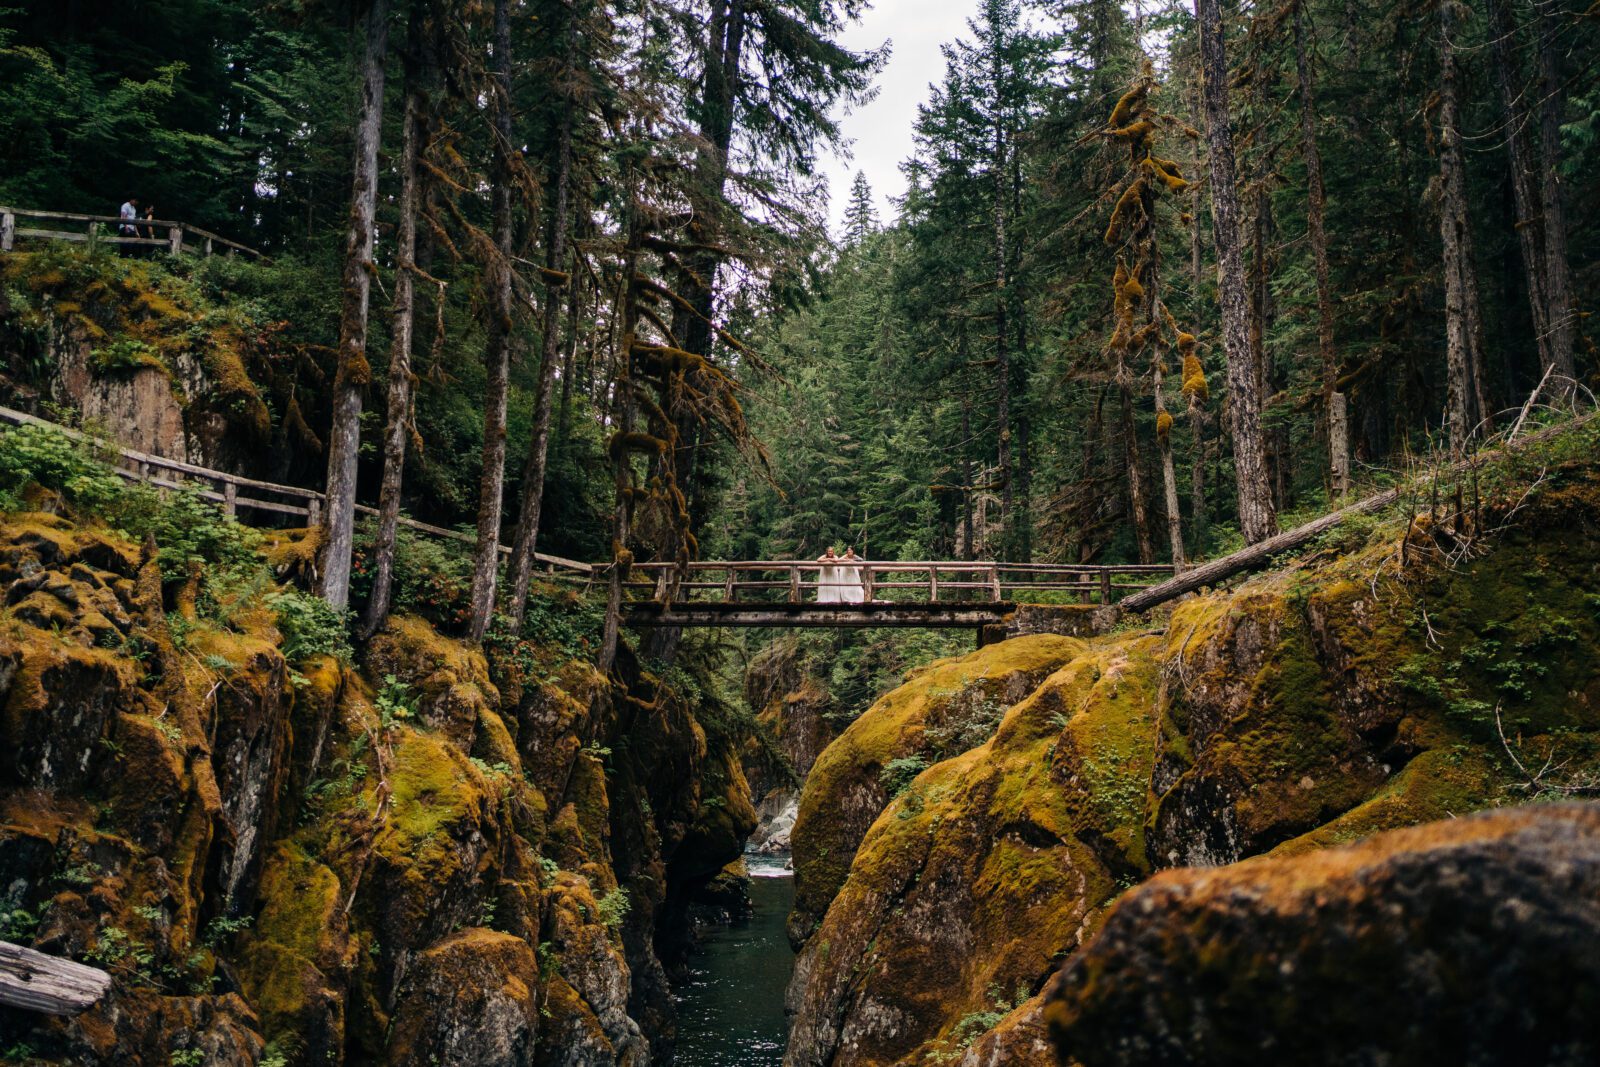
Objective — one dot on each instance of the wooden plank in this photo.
(8, 231)
(34, 981)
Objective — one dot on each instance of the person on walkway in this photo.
(149, 232)
(853, 590)
(828, 577)
(128, 227)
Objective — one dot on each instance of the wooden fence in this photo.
(175, 237)
(236, 493)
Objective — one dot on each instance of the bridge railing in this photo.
(930, 582)
(18, 224)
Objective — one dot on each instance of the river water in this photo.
(730, 1008)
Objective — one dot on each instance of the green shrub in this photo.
(310, 626)
(39, 455)
(614, 907)
(898, 774)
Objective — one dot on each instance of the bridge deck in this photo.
(967, 616)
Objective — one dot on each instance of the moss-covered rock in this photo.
(985, 872)
(1468, 941)
(944, 709)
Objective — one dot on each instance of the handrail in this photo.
(174, 229)
(229, 497)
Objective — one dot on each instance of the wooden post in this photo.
(1084, 596)
(869, 583)
(994, 583)
(208, 246)
(314, 513)
(34, 981)
(1105, 587)
(8, 231)
(794, 583)
(727, 586)
(175, 239)
(933, 584)
(230, 499)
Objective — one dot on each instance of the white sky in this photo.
(881, 131)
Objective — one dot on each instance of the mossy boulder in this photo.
(985, 872)
(1469, 941)
(944, 709)
(469, 1001)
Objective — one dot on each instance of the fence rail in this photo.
(235, 492)
(176, 237)
(887, 582)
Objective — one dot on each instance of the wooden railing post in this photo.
(994, 583)
(794, 583)
(230, 499)
(1105, 587)
(314, 513)
(175, 239)
(8, 231)
(869, 584)
(933, 584)
(727, 586)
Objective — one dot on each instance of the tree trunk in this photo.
(1334, 409)
(497, 353)
(1002, 354)
(527, 535)
(1525, 191)
(1169, 477)
(1563, 313)
(1461, 390)
(1130, 454)
(1257, 518)
(397, 419)
(354, 373)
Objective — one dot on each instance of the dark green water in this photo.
(730, 1010)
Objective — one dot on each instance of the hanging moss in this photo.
(1163, 425)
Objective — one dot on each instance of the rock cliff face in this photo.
(1470, 941)
(424, 858)
(1392, 679)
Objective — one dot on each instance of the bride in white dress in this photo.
(853, 590)
(828, 591)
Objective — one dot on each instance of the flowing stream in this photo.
(730, 1010)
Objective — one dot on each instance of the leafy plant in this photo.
(614, 907)
(310, 626)
(897, 774)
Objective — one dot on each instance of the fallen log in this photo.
(34, 981)
(1260, 554)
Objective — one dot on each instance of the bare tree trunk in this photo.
(1524, 191)
(1334, 409)
(1002, 354)
(967, 550)
(1130, 453)
(1452, 224)
(354, 373)
(497, 354)
(398, 416)
(1563, 313)
(621, 458)
(527, 536)
(1169, 477)
(1257, 517)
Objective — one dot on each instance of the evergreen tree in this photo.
(860, 216)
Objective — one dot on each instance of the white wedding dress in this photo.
(853, 591)
(828, 585)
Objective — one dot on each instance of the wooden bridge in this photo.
(925, 595)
